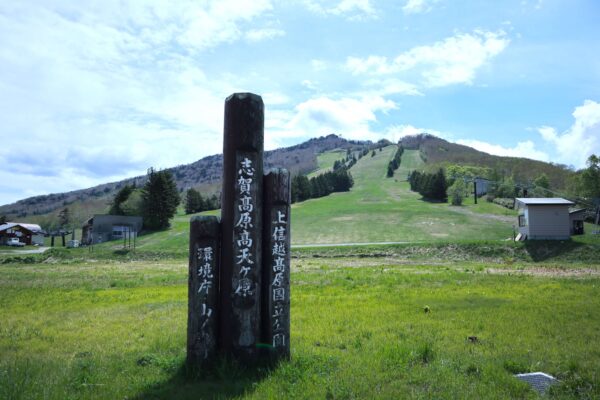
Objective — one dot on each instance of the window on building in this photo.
(118, 231)
(522, 221)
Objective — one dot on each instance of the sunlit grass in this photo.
(106, 330)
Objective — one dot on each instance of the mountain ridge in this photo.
(437, 152)
(203, 174)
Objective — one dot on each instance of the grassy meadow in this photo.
(106, 329)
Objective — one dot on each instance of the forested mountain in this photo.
(204, 175)
(437, 152)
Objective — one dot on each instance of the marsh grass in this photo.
(107, 329)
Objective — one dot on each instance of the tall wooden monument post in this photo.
(249, 319)
(241, 219)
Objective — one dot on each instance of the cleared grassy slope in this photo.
(377, 209)
(380, 209)
(325, 161)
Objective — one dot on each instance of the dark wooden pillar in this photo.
(475, 191)
(241, 218)
(276, 258)
(203, 290)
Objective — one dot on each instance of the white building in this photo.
(544, 218)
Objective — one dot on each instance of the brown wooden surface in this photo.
(203, 284)
(240, 288)
(276, 257)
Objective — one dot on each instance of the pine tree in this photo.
(116, 207)
(160, 199)
(64, 217)
(439, 186)
(194, 202)
(302, 187)
(390, 170)
(589, 178)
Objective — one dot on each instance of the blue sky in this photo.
(92, 92)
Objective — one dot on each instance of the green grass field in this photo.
(112, 330)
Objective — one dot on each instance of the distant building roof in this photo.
(544, 201)
(30, 227)
(577, 211)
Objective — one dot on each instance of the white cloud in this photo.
(418, 6)
(256, 35)
(100, 91)
(351, 9)
(576, 144)
(384, 87)
(453, 60)
(524, 149)
(309, 84)
(318, 116)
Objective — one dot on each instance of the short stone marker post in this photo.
(241, 218)
(276, 272)
(203, 290)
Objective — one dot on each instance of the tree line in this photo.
(303, 188)
(194, 202)
(432, 186)
(395, 163)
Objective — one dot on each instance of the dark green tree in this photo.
(390, 170)
(193, 201)
(64, 217)
(541, 185)
(439, 186)
(588, 180)
(457, 192)
(301, 188)
(160, 199)
(3, 219)
(211, 203)
(116, 207)
(430, 186)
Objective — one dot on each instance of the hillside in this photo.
(377, 209)
(204, 174)
(426, 152)
(438, 152)
(380, 209)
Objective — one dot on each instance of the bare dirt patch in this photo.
(466, 211)
(344, 218)
(553, 272)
